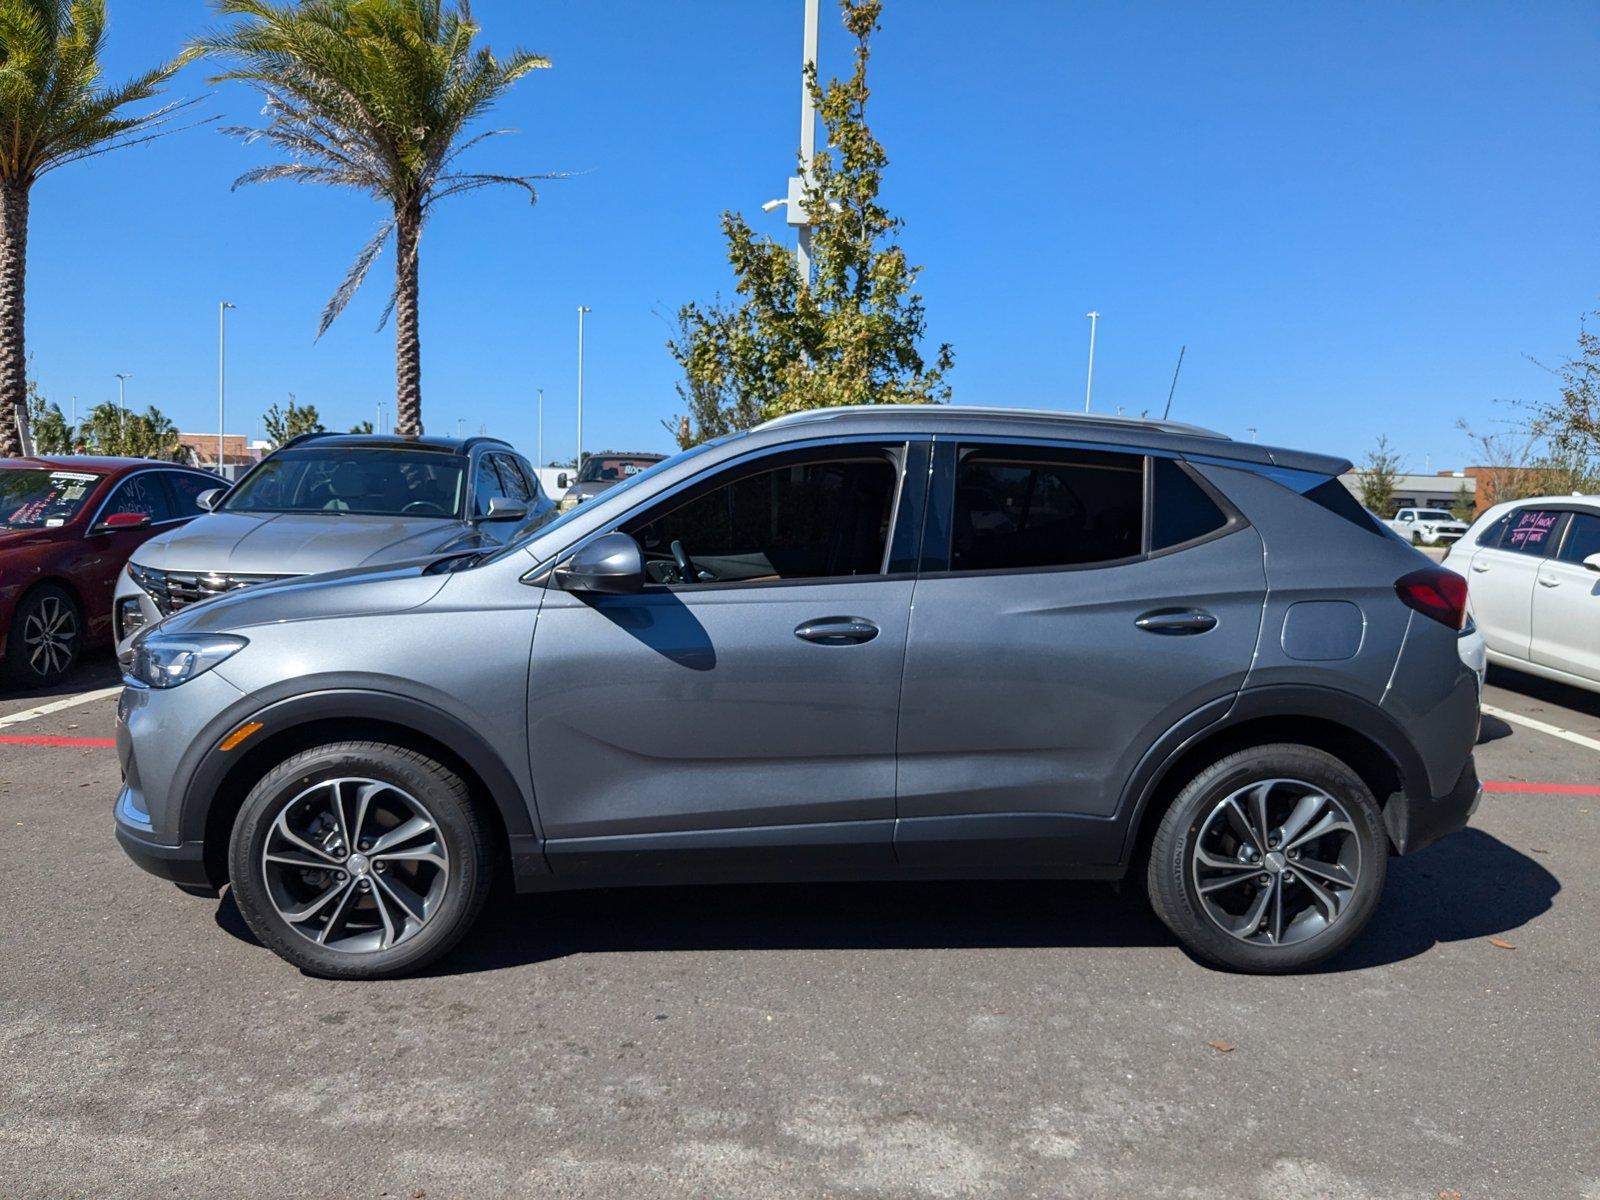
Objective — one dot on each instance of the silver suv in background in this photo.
(1137, 650)
(325, 502)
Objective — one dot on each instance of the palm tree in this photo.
(375, 95)
(53, 111)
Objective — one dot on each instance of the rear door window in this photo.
(1030, 508)
(186, 490)
(1532, 531)
(1583, 538)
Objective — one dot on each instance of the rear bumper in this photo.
(1413, 824)
(183, 864)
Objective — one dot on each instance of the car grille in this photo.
(172, 590)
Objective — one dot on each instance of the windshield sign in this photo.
(337, 480)
(612, 468)
(35, 499)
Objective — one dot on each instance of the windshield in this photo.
(1433, 514)
(344, 479)
(40, 499)
(611, 468)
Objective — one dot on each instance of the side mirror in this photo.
(1592, 562)
(208, 500)
(123, 520)
(611, 565)
(561, 480)
(504, 508)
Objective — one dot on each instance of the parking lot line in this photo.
(45, 740)
(44, 710)
(1565, 735)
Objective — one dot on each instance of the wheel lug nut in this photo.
(378, 866)
(366, 844)
(1265, 878)
(366, 885)
(339, 876)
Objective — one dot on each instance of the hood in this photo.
(298, 543)
(362, 591)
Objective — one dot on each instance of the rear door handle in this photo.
(1544, 582)
(1480, 568)
(836, 631)
(1176, 621)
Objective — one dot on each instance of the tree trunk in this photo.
(13, 304)
(407, 333)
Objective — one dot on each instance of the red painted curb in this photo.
(87, 743)
(1547, 789)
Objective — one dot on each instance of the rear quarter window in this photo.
(1180, 509)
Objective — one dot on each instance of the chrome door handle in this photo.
(1176, 621)
(836, 631)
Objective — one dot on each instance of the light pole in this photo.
(539, 453)
(795, 201)
(1088, 391)
(379, 429)
(122, 400)
(582, 312)
(222, 379)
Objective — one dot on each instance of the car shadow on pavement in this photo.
(94, 670)
(1548, 691)
(1470, 885)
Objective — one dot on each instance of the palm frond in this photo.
(354, 278)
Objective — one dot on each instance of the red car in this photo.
(67, 525)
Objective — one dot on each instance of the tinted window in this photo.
(511, 478)
(1030, 510)
(808, 520)
(186, 491)
(142, 493)
(613, 468)
(1583, 538)
(1180, 510)
(1531, 531)
(335, 479)
(486, 485)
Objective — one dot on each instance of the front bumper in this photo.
(1414, 824)
(183, 864)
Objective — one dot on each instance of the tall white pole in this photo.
(808, 143)
(222, 380)
(582, 312)
(540, 451)
(122, 401)
(1088, 391)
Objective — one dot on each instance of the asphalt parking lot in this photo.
(916, 1041)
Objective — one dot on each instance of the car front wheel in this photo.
(359, 860)
(1270, 860)
(45, 638)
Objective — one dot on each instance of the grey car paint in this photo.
(688, 733)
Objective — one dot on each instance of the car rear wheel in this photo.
(359, 860)
(1270, 860)
(45, 639)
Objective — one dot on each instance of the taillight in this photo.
(1437, 593)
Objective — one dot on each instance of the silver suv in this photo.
(882, 643)
(327, 501)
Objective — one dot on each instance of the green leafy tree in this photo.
(851, 334)
(361, 427)
(54, 110)
(375, 95)
(52, 432)
(1465, 506)
(1378, 476)
(284, 425)
(1568, 424)
(150, 434)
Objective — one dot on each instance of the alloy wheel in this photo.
(1276, 862)
(49, 635)
(355, 865)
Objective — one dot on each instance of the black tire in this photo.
(45, 639)
(1172, 876)
(415, 777)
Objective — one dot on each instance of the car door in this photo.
(1074, 605)
(144, 493)
(1566, 602)
(1500, 580)
(738, 716)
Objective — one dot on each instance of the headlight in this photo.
(166, 660)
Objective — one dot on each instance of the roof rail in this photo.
(958, 412)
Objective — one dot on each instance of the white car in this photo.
(1430, 526)
(1533, 586)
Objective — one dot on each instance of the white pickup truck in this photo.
(1430, 526)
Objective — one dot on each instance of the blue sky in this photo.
(1361, 218)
